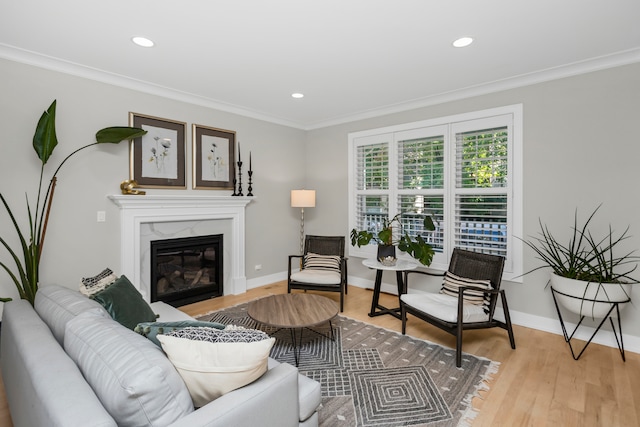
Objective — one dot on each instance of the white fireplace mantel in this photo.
(140, 209)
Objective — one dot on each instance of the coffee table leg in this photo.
(296, 348)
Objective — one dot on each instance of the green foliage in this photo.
(417, 248)
(45, 140)
(26, 274)
(585, 257)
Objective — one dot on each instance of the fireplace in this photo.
(187, 269)
(155, 217)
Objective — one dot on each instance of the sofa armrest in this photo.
(42, 384)
(272, 400)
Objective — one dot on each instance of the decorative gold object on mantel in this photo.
(129, 187)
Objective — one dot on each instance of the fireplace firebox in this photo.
(187, 269)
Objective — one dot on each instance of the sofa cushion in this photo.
(131, 376)
(124, 303)
(167, 313)
(56, 305)
(152, 329)
(214, 362)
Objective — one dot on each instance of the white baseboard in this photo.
(266, 280)
(546, 324)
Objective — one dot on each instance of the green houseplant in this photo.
(586, 269)
(26, 273)
(418, 248)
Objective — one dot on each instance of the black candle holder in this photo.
(250, 172)
(234, 186)
(240, 179)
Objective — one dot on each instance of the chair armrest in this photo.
(291, 257)
(462, 289)
(425, 273)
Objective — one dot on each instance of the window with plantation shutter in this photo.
(464, 171)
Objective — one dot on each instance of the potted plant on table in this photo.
(26, 273)
(418, 248)
(588, 274)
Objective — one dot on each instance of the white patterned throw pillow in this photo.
(92, 285)
(213, 362)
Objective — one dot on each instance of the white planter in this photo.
(588, 298)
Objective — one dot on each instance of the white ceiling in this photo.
(351, 58)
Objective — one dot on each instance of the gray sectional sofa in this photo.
(45, 387)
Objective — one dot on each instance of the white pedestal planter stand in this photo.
(598, 301)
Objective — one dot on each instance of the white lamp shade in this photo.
(303, 198)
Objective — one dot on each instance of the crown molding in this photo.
(47, 62)
(67, 67)
(594, 64)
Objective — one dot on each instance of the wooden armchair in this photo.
(467, 300)
(323, 267)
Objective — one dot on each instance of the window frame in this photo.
(511, 115)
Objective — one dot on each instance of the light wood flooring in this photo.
(538, 384)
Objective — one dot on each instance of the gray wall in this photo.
(76, 245)
(580, 149)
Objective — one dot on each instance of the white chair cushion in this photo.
(445, 307)
(321, 277)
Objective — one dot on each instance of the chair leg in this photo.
(346, 278)
(507, 319)
(459, 346)
(403, 315)
(341, 301)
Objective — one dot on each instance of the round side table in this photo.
(400, 267)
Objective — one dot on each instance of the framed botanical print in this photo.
(213, 158)
(157, 159)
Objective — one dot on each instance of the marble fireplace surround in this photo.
(139, 214)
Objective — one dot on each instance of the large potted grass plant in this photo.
(588, 273)
(27, 257)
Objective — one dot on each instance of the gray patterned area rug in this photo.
(376, 377)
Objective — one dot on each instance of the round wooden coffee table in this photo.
(293, 312)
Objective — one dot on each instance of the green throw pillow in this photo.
(151, 329)
(124, 303)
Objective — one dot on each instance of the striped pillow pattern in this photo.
(452, 283)
(92, 285)
(322, 262)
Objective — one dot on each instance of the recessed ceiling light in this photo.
(463, 42)
(297, 95)
(142, 41)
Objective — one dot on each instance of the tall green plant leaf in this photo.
(45, 140)
(116, 134)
